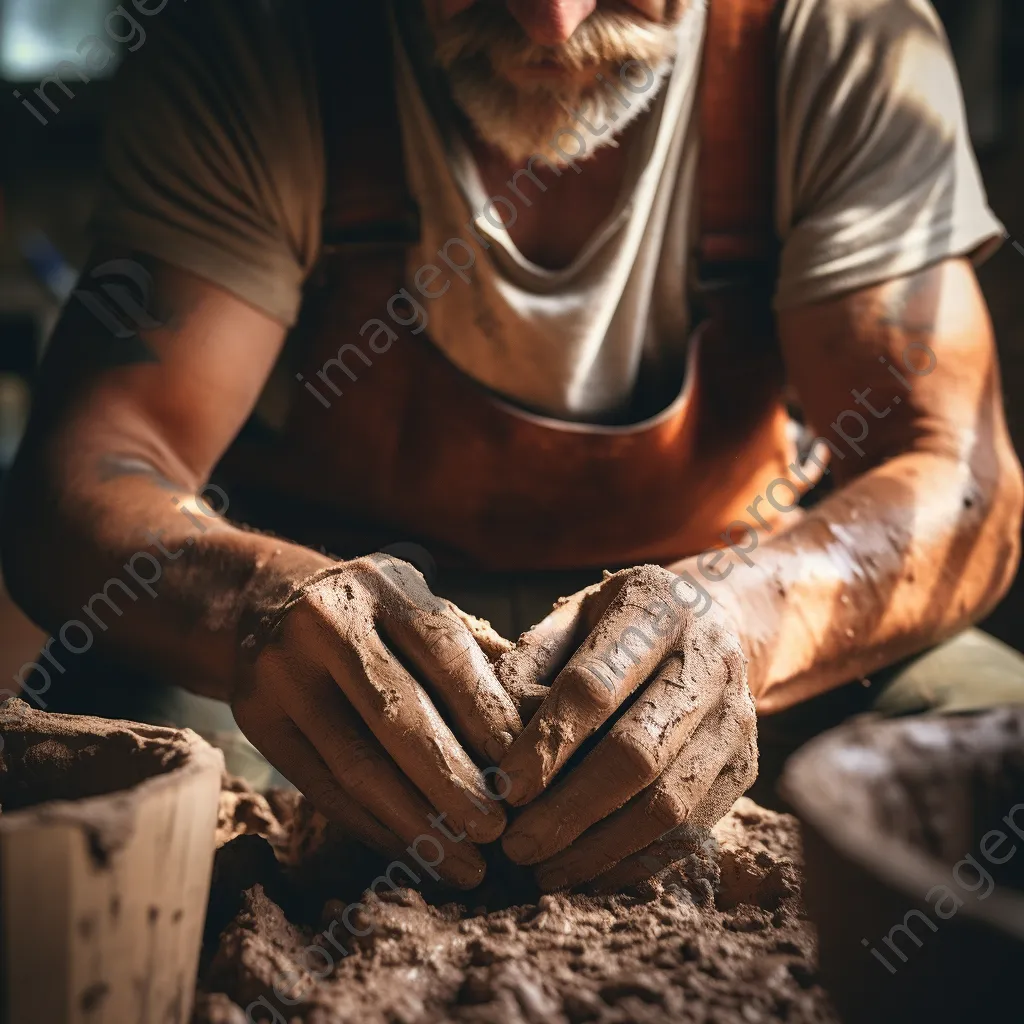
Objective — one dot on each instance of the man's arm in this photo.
(351, 663)
(124, 432)
(922, 536)
(920, 539)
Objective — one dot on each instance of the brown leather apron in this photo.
(413, 449)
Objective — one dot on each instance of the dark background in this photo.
(48, 178)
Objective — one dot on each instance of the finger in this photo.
(683, 841)
(400, 714)
(526, 671)
(527, 697)
(639, 747)
(667, 804)
(441, 647)
(637, 631)
(358, 763)
(284, 746)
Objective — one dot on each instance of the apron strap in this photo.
(736, 178)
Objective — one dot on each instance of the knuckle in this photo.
(749, 712)
(743, 768)
(750, 755)
(325, 796)
(732, 652)
(644, 761)
(378, 569)
(680, 684)
(739, 706)
(666, 809)
(590, 687)
(712, 631)
(359, 753)
(338, 597)
(645, 579)
(374, 571)
(375, 563)
(399, 585)
(736, 677)
(748, 772)
(449, 648)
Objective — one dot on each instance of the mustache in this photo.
(487, 35)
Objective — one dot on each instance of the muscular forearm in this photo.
(899, 558)
(156, 573)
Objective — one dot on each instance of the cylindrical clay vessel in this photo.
(106, 850)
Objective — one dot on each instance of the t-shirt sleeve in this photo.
(214, 155)
(876, 175)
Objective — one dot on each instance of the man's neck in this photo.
(552, 226)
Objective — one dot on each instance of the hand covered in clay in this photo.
(345, 698)
(668, 687)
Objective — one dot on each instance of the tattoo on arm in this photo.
(114, 467)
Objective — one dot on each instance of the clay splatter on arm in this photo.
(922, 535)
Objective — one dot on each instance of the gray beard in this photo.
(560, 125)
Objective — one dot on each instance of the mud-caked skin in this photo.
(678, 755)
(330, 702)
(345, 691)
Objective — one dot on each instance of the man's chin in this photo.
(545, 126)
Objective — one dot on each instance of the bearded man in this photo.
(546, 287)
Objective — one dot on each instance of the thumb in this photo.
(490, 641)
(528, 669)
(542, 652)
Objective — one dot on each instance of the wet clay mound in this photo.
(718, 936)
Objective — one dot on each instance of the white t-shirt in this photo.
(566, 342)
(215, 162)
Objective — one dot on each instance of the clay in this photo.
(718, 936)
(49, 761)
(106, 851)
(914, 869)
(243, 812)
(931, 786)
(53, 757)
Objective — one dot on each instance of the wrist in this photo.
(278, 585)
